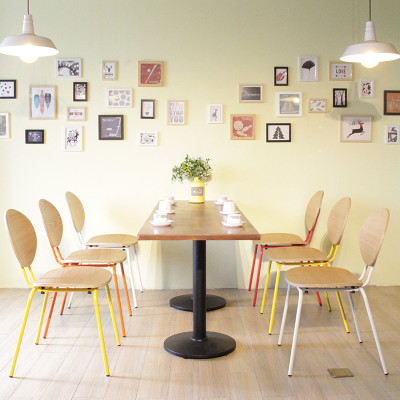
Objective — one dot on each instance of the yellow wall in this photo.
(209, 47)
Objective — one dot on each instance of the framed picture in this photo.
(148, 138)
(121, 98)
(111, 127)
(367, 90)
(34, 136)
(69, 68)
(76, 113)
(73, 138)
(4, 126)
(279, 133)
(80, 91)
(147, 109)
(391, 102)
(214, 113)
(356, 129)
(42, 104)
(109, 70)
(392, 134)
(176, 112)
(340, 71)
(250, 93)
(151, 73)
(317, 105)
(8, 89)
(243, 126)
(340, 97)
(308, 69)
(289, 104)
(281, 76)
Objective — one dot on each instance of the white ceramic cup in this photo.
(171, 199)
(229, 207)
(164, 206)
(222, 199)
(160, 218)
(234, 219)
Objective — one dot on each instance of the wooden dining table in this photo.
(198, 223)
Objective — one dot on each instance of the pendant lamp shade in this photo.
(28, 46)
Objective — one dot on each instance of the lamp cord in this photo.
(28, 6)
(369, 10)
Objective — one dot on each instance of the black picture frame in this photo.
(147, 109)
(80, 91)
(281, 76)
(34, 136)
(274, 132)
(8, 89)
(391, 102)
(111, 127)
(339, 96)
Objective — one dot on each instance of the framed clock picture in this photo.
(151, 73)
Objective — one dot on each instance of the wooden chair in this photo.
(273, 240)
(110, 241)
(89, 257)
(339, 279)
(24, 242)
(310, 256)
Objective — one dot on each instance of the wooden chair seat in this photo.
(112, 240)
(75, 278)
(293, 255)
(96, 256)
(279, 239)
(322, 277)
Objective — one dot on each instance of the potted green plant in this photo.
(197, 170)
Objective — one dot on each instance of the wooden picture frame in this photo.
(80, 91)
(317, 105)
(391, 102)
(76, 113)
(339, 97)
(214, 113)
(392, 134)
(34, 136)
(8, 89)
(42, 102)
(148, 139)
(281, 76)
(151, 73)
(68, 67)
(73, 138)
(356, 129)
(176, 111)
(119, 98)
(251, 93)
(279, 132)
(4, 126)
(289, 104)
(242, 127)
(111, 127)
(147, 109)
(340, 71)
(308, 69)
(109, 70)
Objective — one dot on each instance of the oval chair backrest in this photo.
(312, 210)
(77, 211)
(337, 220)
(372, 235)
(52, 222)
(22, 236)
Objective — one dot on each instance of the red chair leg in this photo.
(121, 317)
(258, 275)
(126, 290)
(319, 299)
(252, 267)
(49, 316)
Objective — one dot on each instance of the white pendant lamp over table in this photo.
(370, 52)
(28, 46)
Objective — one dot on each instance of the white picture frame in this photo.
(148, 138)
(109, 70)
(76, 113)
(214, 113)
(366, 89)
(69, 68)
(73, 138)
(289, 104)
(340, 71)
(42, 102)
(392, 134)
(119, 98)
(176, 112)
(308, 69)
(4, 126)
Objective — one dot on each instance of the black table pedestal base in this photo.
(185, 302)
(215, 345)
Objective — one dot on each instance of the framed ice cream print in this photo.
(242, 127)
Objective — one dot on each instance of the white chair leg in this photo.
(284, 316)
(296, 329)
(371, 321)
(138, 269)
(128, 256)
(353, 310)
(70, 299)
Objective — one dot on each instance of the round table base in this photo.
(215, 345)
(185, 302)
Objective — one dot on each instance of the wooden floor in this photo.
(68, 364)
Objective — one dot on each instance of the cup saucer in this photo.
(219, 203)
(226, 213)
(236, 225)
(154, 223)
(164, 212)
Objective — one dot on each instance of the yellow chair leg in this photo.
(46, 296)
(328, 303)
(103, 347)
(271, 321)
(265, 288)
(346, 325)
(112, 315)
(21, 334)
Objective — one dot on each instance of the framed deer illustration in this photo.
(355, 129)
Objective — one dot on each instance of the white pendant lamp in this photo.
(370, 52)
(28, 46)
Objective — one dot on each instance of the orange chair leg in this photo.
(49, 316)
(126, 290)
(252, 267)
(63, 303)
(121, 317)
(258, 276)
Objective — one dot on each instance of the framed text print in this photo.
(340, 71)
(151, 73)
(176, 112)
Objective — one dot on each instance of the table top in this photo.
(197, 222)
